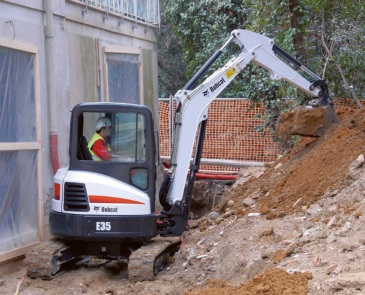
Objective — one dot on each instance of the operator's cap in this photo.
(102, 122)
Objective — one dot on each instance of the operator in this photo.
(98, 145)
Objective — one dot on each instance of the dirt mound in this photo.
(314, 167)
(272, 282)
(305, 122)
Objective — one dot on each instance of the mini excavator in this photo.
(107, 208)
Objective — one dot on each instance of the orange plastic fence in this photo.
(232, 132)
(346, 102)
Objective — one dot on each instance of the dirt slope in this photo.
(312, 168)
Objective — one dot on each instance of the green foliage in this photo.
(203, 27)
(297, 26)
(171, 66)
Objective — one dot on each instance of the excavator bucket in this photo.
(311, 122)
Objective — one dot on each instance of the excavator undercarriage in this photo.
(54, 257)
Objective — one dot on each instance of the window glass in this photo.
(123, 141)
(123, 77)
(18, 199)
(141, 133)
(139, 177)
(17, 100)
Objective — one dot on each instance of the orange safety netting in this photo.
(346, 102)
(233, 132)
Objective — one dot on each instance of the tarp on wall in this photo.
(123, 81)
(18, 169)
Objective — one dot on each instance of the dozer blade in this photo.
(311, 122)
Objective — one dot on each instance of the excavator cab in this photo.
(131, 142)
(108, 200)
(106, 207)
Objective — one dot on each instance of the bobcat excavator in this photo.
(107, 208)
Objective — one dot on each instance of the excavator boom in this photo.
(193, 104)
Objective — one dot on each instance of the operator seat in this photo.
(83, 152)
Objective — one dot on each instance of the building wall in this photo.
(71, 64)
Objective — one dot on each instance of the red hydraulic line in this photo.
(209, 176)
(215, 176)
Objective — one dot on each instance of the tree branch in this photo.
(338, 66)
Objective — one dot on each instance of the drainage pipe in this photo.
(50, 63)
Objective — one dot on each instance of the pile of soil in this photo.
(314, 167)
(272, 282)
(305, 122)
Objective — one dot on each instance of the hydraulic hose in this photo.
(209, 176)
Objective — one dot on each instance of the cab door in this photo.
(130, 145)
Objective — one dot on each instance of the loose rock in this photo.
(248, 202)
(314, 209)
(331, 268)
(213, 215)
(352, 280)
(357, 163)
(279, 255)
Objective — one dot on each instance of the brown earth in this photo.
(315, 166)
(272, 282)
(275, 251)
(305, 122)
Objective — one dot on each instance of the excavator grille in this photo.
(76, 198)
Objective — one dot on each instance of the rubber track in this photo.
(142, 261)
(39, 261)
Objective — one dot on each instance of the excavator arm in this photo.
(193, 105)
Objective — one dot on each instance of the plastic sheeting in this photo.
(18, 169)
(18, 199)
(123, 78)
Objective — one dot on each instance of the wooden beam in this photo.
(218, 162)
(97, 53)
(122, 49)
(37, 98)
(17, 252)
(40, 195)
(19, 46)
(106, 85)
(19, 146)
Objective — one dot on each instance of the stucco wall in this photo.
(71, 64)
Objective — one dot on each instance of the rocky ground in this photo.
(295, 227)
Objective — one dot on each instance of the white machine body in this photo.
(106, 195)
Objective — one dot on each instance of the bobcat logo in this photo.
(96, 208)
(206, 93)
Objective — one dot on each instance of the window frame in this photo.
(122, 50)
(24, 146)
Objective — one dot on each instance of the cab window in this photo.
(125, 141)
